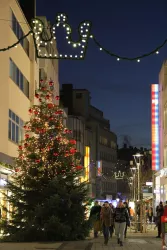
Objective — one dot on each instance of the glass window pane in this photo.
(17, 119)
(14, 28)
(26, 46)
(13, 132)
(18, 29)
(13, 116)
(17, 134)
(10, 113)
(21, 81)
(21, 123)
(20, 134)
(11, 69)
(14, 72)
(9, 129)
(26, 87)
(21, 35)
(17, 76)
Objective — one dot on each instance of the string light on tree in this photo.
(45, 176)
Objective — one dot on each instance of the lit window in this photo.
(15, 128)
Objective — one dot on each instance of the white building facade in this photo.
(19, 79)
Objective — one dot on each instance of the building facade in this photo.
(159, 136)
(19, 79)
(93, 132)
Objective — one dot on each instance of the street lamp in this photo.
(137, 158)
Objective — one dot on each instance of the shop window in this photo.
(15, 128)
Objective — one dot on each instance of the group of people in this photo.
(107, 219)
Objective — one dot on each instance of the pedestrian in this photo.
(121, 218)
(163, 231)
(106, 221)
(128, 209)
(95, 217)
(111, 228)
(160, 211)
(150, 214)
(131, 213)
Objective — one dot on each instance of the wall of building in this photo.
(163, 114)
(11, 96)
(48, 69)
(97, 130)
(160, 185)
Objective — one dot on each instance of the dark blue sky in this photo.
(120, 89)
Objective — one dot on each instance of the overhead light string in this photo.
(84, 31)
(119, 57)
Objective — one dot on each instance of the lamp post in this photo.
(137, 159)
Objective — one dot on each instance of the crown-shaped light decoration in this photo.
(119, 175)
(42, 40)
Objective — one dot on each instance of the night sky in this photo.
(120, 89)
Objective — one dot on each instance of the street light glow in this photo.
(138, 155)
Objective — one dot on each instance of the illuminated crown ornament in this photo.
(119, 175)
(41, 40)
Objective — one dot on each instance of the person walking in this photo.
(150, 214)
(121, 217)
(95, 216)
(111, 228)
(131, 213)
(106, 221)
(160, 211)
(127, 207)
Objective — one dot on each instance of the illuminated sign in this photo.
(99, 168)
(155, 126)
(87, 163)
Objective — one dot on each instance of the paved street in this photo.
(133, 242)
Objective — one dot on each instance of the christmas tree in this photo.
(47, 202)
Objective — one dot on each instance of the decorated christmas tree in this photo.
(47, 201)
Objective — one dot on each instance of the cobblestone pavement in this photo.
(131, 243)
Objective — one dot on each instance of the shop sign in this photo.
(149, 183)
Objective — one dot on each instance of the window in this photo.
(15, 128)
(78, 95)
(165, 117)
(18, 78)
(103, 141)
(19, 33)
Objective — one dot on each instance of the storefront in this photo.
(4, 177)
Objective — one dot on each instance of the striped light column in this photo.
(155, 127)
